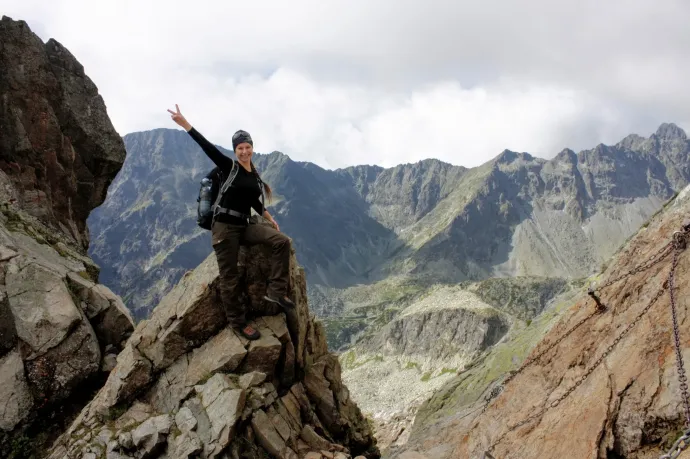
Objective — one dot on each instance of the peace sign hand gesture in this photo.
(179, 118)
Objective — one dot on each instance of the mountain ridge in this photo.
(429, 220)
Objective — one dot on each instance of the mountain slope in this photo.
(145, 236)
(519, 215)
(188, 385)
(605, 388)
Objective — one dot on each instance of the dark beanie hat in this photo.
(241, 137)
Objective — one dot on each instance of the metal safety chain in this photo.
(660, 255)
(675, 247)
(680, 242)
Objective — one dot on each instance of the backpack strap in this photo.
(231, 177)
(261, 188)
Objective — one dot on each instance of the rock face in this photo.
(60, 330)
(186, 385)
(58, 146)
(620, 364)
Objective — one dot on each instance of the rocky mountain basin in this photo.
(394, 370)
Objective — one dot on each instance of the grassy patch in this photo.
(63, 253)
(349, 361)
(14, 221)
(115, 412)
(22, 447)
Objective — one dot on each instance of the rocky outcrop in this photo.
(58, 146)
(606, 388)
(449, 325)
(60, 330)
(186, 385)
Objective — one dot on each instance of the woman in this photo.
(231, 226)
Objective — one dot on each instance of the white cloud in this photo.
(352, 81)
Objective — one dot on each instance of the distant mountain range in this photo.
(364, 228)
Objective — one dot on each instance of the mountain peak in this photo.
(567, 155)
(631, 141)
(508, 156)
(670, 131)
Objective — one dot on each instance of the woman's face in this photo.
(244, 152)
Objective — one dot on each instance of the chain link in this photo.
(675, 246)
(587, 373)
(659, 256)
(678, 446)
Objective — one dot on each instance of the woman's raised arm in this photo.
(222, 161)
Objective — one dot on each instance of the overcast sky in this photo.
(386, 81)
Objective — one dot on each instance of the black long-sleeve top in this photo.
(245, 190)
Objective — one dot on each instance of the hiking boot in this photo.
(285, 302)
(249, 332)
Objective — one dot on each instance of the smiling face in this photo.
(244, 152)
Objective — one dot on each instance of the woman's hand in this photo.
(179, 119)
(275, 224)
(270, 219)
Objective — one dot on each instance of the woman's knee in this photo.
(281, 241)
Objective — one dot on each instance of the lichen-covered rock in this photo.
(225, 396)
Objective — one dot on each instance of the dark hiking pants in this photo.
(226, 240)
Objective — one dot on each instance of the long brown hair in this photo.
(269, 191)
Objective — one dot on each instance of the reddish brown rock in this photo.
(589, 396)
(58, 146)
